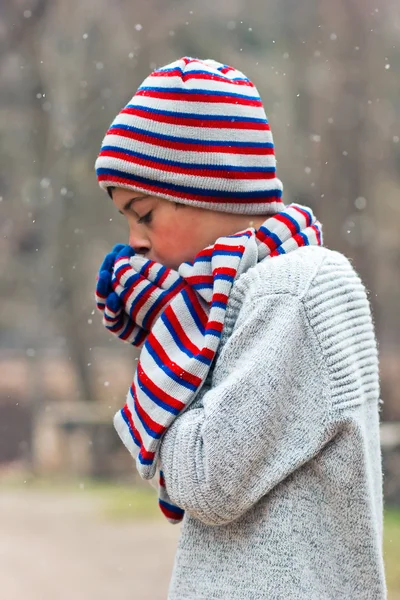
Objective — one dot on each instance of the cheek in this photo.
(174, 244)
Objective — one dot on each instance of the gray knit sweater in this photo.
(277, 462)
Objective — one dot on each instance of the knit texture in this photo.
(196, 133)
(181, 346)
(277, 461)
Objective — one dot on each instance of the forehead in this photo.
(122, 195)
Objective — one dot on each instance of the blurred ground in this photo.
(65, 545)
(61, 540)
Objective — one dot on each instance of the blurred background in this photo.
(75, 520)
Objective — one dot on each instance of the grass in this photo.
(391, 550)
(124, 502)
(116, 501)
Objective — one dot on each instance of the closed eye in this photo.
(146, 219)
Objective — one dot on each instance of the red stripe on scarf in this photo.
(145, 454)
(176, 369)
(157, 391)
(153, 425)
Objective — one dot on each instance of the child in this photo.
(256, 392)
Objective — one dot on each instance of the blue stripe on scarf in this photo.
(213, 332)
(144, 461)
(271, 235)
(125, 418)
(222, 276)
(305, 238)
(158, 302)
(293, 221)
(156, 399)
(174, 509)
(219, 305)
(180, 343)
(238, 253)
(202, 286)
(167, 370)
(192, 311)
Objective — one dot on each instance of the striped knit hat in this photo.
(195, 133)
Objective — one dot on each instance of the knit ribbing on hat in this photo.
(195, 133)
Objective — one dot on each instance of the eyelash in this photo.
(146, 219)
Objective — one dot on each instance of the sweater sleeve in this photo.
(266, 414)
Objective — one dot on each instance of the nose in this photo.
(138, 240)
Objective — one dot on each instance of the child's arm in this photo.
(267, 414)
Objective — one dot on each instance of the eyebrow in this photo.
(128, 204)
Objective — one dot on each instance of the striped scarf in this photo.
(178, 351)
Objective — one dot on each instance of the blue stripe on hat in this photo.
(199, 72)
(199, 116)
(190, 190)
(184, 140)
(175, 163)
(194, 91)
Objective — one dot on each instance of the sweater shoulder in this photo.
(293, 273)
(336, 309)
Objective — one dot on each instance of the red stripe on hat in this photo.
(227, 69)
(196, 122)
(202, 76)
(209, 98)
(165, 167)
(130, 182)
(187, 145)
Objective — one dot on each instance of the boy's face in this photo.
(171, 233)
